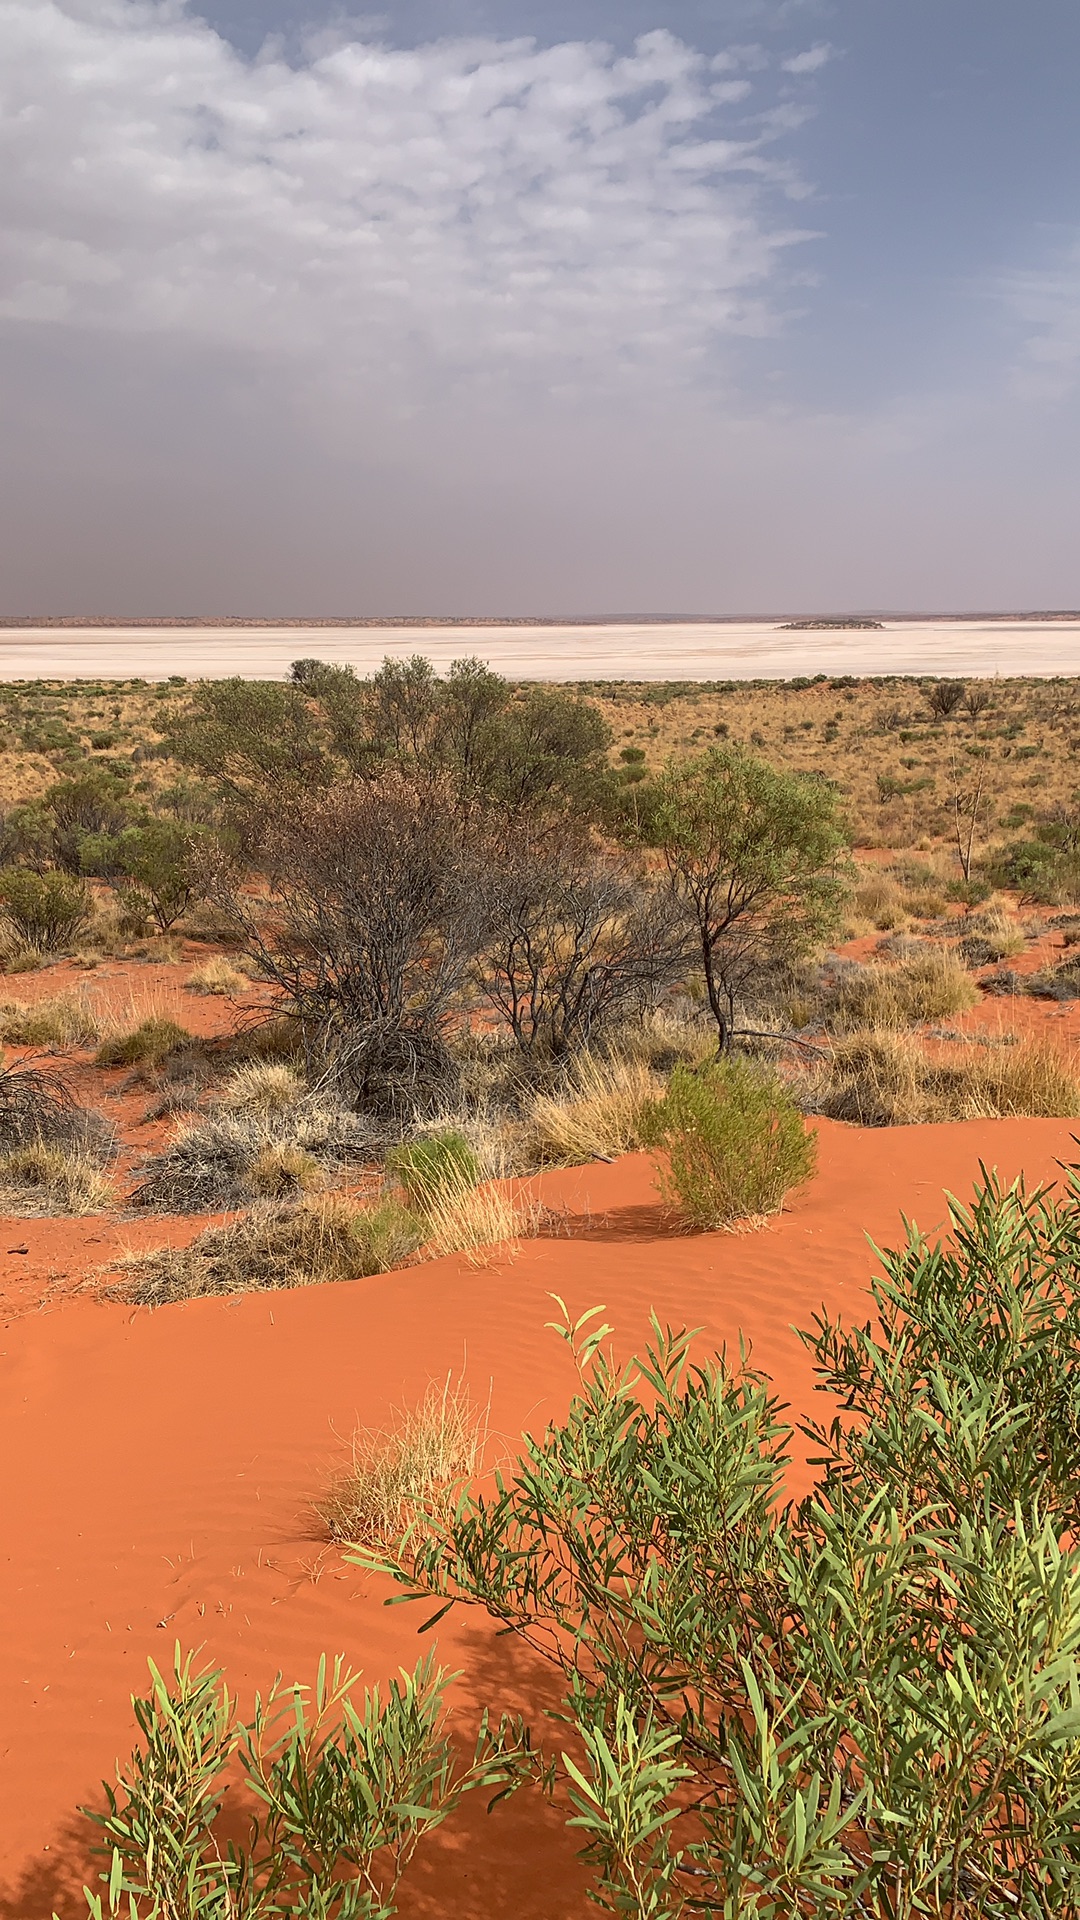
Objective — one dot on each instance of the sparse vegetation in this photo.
(598, 1114)
(256, 1151)
(151, 1042)
(276, 1246)
(45, 1177)
(422, 1460)
(883, 1079)
(930, 985)
(62, 1020)
(218, 976)
(734, 1143)
(863, 1702)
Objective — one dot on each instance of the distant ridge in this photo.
(175, 622)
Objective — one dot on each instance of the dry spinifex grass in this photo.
(421, 1460)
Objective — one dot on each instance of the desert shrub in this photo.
(923, 986)
(989, 936)
(861, 1703)
(218, 976)
(883, 1079)
(945, 696)
(225, 1161)
(46, 910)
(425, 1457)
(598, 1114)
(147, 1044)
(63, 1020)
(45, 1177)
(1037, 869)
(924, 903)
(424, 1167)
(276, 1246)
(734, 1143)
(346, 1789)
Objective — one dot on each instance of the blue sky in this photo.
(488, 307)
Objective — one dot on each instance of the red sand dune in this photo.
(158, 1466)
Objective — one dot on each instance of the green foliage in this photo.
(434, 1164)
(864, 1705)
(754, 856)
(1038, 869)
(345, 1790)
(151, 1041)
(155, 863)
(47, 910)
(734, 1142)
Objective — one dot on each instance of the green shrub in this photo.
(46, 910)
(863, 1704)
(734, 1142)
(152, 1040)
(437, 1161)
(346, 1789)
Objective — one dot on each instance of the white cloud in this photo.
(811, 61)
(471, 206)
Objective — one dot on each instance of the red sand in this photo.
(158, 1466)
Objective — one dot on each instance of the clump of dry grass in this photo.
(989, 936)
(263, 1086)
(273, 1247)
(878, 900)
(421, 1462)
(882, 1079)
(46, 1178)
(63, 1020)
(234, 1157)
(218, 976)
(598, 1114)
(924, 986)
(148, 1044)
(458, 1217)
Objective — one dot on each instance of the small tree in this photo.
(753, 858)
(945, 696)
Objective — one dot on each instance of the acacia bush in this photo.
(46, 910)
(734, 1143)
(866, 1703)
(346, 1789)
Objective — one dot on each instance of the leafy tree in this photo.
(257, 740)
(865, 1705)
(753, 856)
(154, 862)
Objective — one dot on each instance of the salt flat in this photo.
(721, 650)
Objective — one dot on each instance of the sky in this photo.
(584, 308)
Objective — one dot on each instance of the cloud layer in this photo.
(471, 205)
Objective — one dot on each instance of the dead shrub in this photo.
(274, 1247)
(229, 1159)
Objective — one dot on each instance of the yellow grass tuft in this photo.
(45, 1179)
(598, 1115)
(65, 1020)
(928, 986)
(420, 1463)
(263, 1086)
(888, 1079)
(458, 1217)
(218, 976)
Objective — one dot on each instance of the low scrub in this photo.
(989, 937)
(219, 977)
(433, 1164)
(46, 911)
(889, 1079)
(64, 1020)
(925, 986)
(733, 1141)
(347, 1786)
(273, 1247)
(863, 1703)
(422, 1461)
(40, 1178)
(599, 1114)
(235, 1157)
(148, 1044)
(878, 900)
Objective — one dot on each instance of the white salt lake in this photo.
(695, 650)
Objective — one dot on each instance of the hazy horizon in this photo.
(492, 308)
